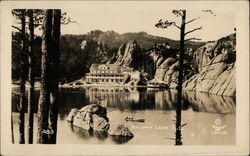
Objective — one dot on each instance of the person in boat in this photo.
(129, 118)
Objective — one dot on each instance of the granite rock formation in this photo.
(119, 130)
(94, 117)
(128, 55)
(215, 63)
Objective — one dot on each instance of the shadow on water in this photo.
(120, 139)
(99, 135)
(87, 134)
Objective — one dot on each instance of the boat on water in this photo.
(134, 120)
(155, 83)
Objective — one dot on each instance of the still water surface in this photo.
(210, 119)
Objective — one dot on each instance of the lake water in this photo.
(210, 119)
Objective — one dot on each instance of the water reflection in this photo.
(120, 139)
(160, 100)
(125, 98)
(204, 102)
(157, 107)
(88, 134)
(99, 135)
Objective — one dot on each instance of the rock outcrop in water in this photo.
(215, 64)
(119, 130)
(94, 117)
(90, 117)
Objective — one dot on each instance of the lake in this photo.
(210, 119)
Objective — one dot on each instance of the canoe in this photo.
(135, 120)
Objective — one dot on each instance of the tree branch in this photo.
(209, 11)
(16, 13)
(192, 20)
(193, 30)
(165, 24)
(176, 25)
(193, 38)
(16, 28)
(65, 21)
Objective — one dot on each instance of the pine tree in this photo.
(44, 100)
(31, 93)
(166, 24)
(22, 80)
(54, 81)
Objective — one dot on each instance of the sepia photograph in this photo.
(124, 74)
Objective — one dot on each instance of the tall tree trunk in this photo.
(22, 81)
(44, 101)
(180, 80)
(54, 80)
(12, 132)
(31, 78)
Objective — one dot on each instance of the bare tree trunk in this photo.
(12, 132)
(54, 57)
(180, 79)
(31, 78)
(22, 82)
(44, 100)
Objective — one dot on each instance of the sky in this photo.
(123, 17)
(142, 17)
(136, 18)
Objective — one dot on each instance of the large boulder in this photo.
(94, 117)
(72, 114)
(100, 124)
(119, 130)
(83, 120)
(94, 109)
(90, 117)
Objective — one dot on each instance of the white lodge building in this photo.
(108, 73)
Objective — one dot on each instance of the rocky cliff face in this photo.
(168, 71)
(128, 55)
(167, 65)
(215, 63)
(211, 68)
(131, 55)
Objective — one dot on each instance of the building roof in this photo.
(110, 66)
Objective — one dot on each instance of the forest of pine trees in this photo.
(49, 21)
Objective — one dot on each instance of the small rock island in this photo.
(94, 117)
